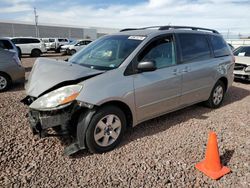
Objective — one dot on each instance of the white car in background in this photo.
(75, 46)
(29, 46)
(55, 43)
(242, 68)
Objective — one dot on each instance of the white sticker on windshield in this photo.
(136, 37)
(242, 54)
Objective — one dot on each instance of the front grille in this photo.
(239, 66)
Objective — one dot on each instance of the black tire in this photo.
(91, 143)
(58, 50)
(36, 53)
(211, 101)
(72, 52)
(5, 78)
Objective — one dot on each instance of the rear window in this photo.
(219, 46)
(63, 40)
(25, 40)
(194, 47)
(5, 44)
(51, 40)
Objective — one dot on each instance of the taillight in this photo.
(17, 60)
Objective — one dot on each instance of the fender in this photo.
(82, 126)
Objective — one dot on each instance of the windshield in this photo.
(108, 52)
(73, 42)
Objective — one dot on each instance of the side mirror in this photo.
(146, 66)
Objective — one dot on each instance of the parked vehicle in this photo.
(11, 69)
(75, 46)
(55, 43)
(123, 79)
(242, 51)
(242, 68)
(7, 44)
(29, 46)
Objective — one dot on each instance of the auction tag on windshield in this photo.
(242, 54)
(136, 37)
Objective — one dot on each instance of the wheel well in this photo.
(4, 73)
(225, 81)
(125, 108)
(35, 49)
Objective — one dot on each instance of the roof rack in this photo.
(171, 27)
(187, 27)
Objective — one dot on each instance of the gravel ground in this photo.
(158, 153)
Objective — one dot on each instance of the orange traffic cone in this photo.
(211, 166)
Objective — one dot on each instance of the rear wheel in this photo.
(5, 82)
(106, 129)
(217, 95)
(36, 53)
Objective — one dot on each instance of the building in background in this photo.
(28, 29)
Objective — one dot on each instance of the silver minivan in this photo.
(123, 79)
(11, 69)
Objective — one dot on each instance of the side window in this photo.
(16, 41)
(87, 42)
(161, 51)
(219, 46)
(194, 47)
(35, 41)
(82, 43)
(5, 44)
(23, 41)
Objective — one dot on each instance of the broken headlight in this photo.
(58, 97)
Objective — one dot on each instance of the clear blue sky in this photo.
(224, 15)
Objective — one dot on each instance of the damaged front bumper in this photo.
(60, 122)
(42, 121)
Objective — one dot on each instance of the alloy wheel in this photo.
(107, 130)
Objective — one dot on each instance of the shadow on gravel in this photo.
(241, 81)
(164, 122)
(16, 87)
(159, 124)
(28, 69)
(226, 157)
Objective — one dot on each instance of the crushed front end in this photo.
(57, 113)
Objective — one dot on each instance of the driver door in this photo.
(159, 91)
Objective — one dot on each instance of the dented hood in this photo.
(47, 73)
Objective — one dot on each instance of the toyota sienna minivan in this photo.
(123, 79)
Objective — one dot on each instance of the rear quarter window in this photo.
(5, 44)
(220, 47)
(194, 47)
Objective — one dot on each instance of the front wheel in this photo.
(106, 129)
(72, 52)
(217, 95)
